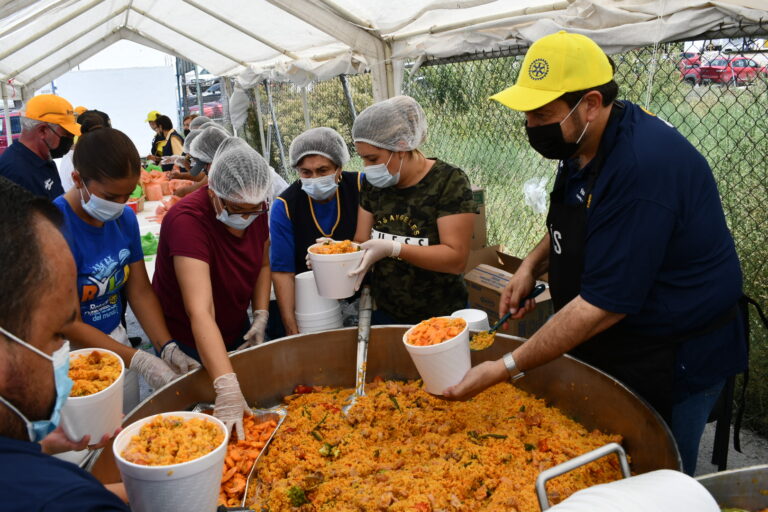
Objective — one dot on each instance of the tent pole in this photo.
(199, 93)
(348, 96)
(305, 107)
(257, 96)
(7, 111)
(278, 136)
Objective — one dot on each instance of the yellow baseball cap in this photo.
(53, 109)
(554, 65)
(152, 116)
(79, 110)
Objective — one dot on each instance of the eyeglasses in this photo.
(234, 210)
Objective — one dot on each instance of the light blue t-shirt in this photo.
(102, 256)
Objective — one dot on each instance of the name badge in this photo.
(408, 240)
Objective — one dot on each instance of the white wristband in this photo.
(395, 249)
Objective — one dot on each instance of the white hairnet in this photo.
(199, 120)
(207, 142)
(396, 124)
(189, 138)
(319, 141)
(239, 174)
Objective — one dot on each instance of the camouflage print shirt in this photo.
(406, 292)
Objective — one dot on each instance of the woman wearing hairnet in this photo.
(323, 202)
(415, 219)
(212, 263)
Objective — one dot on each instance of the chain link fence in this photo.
(723, 111)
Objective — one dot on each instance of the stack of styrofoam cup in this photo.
(192, 485)
(442, 365)
(313, 312)
(97, 414)
(477, 319)
(332, 272)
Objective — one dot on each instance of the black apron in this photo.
(644, 363)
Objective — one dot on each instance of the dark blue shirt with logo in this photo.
(22, 166)
(657, 245)
(32, 480)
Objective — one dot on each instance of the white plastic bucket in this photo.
(331, 273)
(308, 301)
(331, 314)
(442, 365)
(192, 485)
(97, 414)
(477, 319)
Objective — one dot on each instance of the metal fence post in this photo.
(278, 137)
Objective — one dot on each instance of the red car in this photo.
(211, 109)
(15, 129)
(690, 74)
(689, 59)
(732, 70)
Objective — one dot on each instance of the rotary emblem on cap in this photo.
(538, 69)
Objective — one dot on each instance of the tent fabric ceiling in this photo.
(304, 40)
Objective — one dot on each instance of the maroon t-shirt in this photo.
(190, 229)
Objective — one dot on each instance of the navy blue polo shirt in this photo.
(32, 480)
(657, 245)
(22, 166)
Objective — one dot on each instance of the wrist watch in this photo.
(514, 372)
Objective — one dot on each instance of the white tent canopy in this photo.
(304, 40)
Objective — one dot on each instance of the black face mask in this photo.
(65, 144)
(186, 131)
(548, 139)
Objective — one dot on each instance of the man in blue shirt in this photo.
(643, 269)
(48, 129)
(37, 301)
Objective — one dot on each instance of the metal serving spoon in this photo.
(363, 334)
(484, 339)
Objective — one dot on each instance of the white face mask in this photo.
(100, 209)
(320, 188)
(234, 221)
(379, 176)
(37, 430)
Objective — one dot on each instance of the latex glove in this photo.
(152, 368)
(172, 159)
(255, 335)
(230, 403)
(375, 250)
(321, 240)
(174, 357)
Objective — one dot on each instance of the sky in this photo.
(126, 54)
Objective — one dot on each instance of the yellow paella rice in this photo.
(402, 449)
(172, 440)
(335, 247)
(93, 372)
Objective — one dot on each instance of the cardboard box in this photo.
(480, 229)
(486, 281)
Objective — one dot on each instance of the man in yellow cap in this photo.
(643, 271)
(48, 128)
(156, 152)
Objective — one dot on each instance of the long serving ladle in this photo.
(363, 334)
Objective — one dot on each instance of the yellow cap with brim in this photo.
(554, 65)
(53, 109)
(79, 110)
(152, 116)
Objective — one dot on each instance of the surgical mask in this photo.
(378, 175)
(235, 221)
(101, 209)
(65, 144)
(548, 139)
(37, 430)
(320, 188)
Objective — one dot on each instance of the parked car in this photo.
(690, 74)
(212, 109)
(732, 70)
(15, 129)
(689, 59)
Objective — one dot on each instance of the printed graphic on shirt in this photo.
(101, 285)
(48, 184)
(408, 240)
